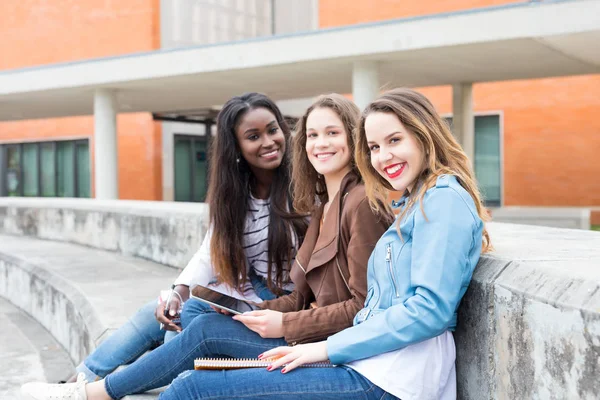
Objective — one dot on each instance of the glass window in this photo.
(13, 170)
(49, 169)
(183, 170)
(191, 168)
(65, 157)
(200, 170)
(30, 169)
(487, 157)
(83, 170)
(47, 159)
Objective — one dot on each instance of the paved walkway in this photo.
(105, 288)
(27, 352)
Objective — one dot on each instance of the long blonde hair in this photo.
(443, 154)
(307, 184)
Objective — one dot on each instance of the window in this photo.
(46, 169)
(191, 167)
(487, 157)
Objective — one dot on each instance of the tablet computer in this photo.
(222, 301)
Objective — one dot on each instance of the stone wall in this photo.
(529, 326)
(557, 217)
(164, 232)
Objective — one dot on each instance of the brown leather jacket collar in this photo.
(321, 247)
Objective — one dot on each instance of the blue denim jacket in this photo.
(415, 283)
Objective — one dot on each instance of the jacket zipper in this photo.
(300, 265)
(343, 278)
(388, 259)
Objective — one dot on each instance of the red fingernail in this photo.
(283, 371)
(260, 356)
(270, 368)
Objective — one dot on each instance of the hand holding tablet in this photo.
(221, 301)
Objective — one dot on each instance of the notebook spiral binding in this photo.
(237, 363)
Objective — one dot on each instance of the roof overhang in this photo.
(518, 41)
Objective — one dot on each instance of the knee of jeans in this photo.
(144, 316)
(191, 309)
(176, 389)
(202, 330)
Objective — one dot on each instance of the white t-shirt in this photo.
(422, 371)
(199, 270)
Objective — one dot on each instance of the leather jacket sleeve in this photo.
(284, 304)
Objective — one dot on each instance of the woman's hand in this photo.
(267, 323)
(179, 294)
(165, 321)
(296, 356)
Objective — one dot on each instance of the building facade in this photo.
(535, 140)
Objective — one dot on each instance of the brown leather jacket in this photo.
(331, 267)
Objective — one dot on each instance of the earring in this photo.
(237, 160)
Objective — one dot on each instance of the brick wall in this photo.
(346, 12)
(551, 130)
(38, 32)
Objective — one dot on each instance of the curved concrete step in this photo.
(28, 352)
(77, 293)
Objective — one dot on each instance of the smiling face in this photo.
(261, 140)
(327, 143)
(395, 152)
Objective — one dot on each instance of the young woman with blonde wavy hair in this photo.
(401, 343)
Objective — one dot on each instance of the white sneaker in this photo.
(53, 391)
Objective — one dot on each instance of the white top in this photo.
(199, 270)
(422, 371)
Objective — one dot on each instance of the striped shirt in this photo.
(256, 239)
(199, 270)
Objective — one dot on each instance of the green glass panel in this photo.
(487, 157)
(65, 152)
(30, 169)
(200, 168)
(48, 170)
(183, 172)
(13, 171)
(83, 170)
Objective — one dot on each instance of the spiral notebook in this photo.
(237, 363)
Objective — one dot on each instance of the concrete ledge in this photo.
(557, 217)
(78, 294)
(168, 233)
(529, 326)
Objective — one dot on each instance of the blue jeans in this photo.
(191, 309)
(139, 334)
(142, 333)
(340, 383)
(208, 335)
(260, 286)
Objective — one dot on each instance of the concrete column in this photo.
(463, 121)
(365, 82)
(105, 145)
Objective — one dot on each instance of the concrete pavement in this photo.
(27, 352)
